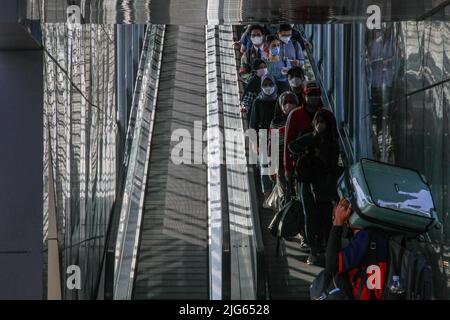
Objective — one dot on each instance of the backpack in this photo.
(328, 286)
(410, 270)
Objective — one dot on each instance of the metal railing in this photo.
(125, 228)
(218, 215)
(241, 176)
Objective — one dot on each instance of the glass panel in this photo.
(433, 142)
(446, 160)
(446, 49)
(80, 120)
(433, 53)
(414, 54)
(415, 129)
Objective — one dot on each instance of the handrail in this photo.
(343, 136)
(259, 271)
(137, 146)
(260, 280)
(108, 262)
(218, 214)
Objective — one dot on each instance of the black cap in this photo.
(256, 63)
(296, 71)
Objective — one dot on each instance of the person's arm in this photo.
(333, 247)
(247, 101)
(299, 54)
(288, 137)
(293, 130)
(245, 67)
(352, 255)
(254, 116)
(332, 256)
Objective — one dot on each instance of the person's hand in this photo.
(342, 212)
(284, 71)
(295, 62)
(236, 45)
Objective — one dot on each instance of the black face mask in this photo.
(312, 105)
(311, 108)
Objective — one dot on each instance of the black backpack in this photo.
(414, 270)
(328, 286)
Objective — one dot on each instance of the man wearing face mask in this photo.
(253, 87)
(291, 50)
(296, 78)
(263, 111)
(299, 122)
(257, 50)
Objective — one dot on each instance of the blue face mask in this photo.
(275, 51)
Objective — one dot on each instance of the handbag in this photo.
(285, 222)
(328, 286)
(276, 196)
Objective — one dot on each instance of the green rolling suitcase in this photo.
(393, 198)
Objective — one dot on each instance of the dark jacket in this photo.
(251, 91)
(353, 259)
(262, 114)
(317, 159)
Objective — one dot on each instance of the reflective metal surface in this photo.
(140, 136)
(234, 11)
(80, 135)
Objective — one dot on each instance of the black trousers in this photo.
(318, 218)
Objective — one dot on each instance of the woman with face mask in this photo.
(286, 103)
(253, 87)
(318, 153)
(263, 110)
(277, 67)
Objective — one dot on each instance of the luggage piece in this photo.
(286, 222)
(385, 196)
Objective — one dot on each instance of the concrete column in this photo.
(21, 147)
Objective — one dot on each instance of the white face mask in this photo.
(295, 82)
(257, 41)
(285, 39)
(268, 90)
(261, 72)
